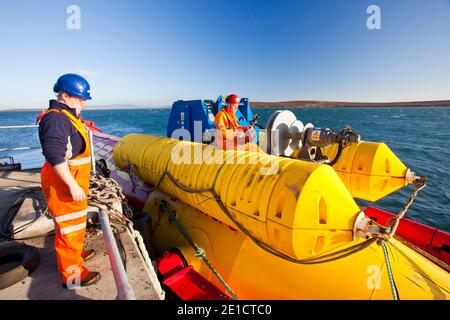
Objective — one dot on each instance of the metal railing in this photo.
(19, 127)
(19, 148)
(124, 289)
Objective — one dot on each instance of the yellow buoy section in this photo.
(253, 273)
(300, 208)
(369, 170)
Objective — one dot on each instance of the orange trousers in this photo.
(70, 219)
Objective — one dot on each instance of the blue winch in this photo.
(194, 119)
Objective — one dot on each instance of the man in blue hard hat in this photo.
(65, 177)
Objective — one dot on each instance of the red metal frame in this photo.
(183, 281)
(431, 240)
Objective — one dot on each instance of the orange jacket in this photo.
(227, 124)
(226, 120)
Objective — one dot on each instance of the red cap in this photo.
(232, 99)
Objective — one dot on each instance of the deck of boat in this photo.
(44, 283)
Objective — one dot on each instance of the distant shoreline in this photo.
(86, 109)
(285, 104)
(337, 104)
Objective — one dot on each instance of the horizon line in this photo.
(292, 103)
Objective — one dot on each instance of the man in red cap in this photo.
(231, 135)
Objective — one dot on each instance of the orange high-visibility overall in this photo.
(227, 124)
(69, 215)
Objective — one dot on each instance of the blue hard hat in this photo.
(74, 84)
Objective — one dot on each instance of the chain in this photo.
(199, 252)
(393, 223)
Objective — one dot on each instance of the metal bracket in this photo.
(365, 227)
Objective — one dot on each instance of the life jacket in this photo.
(225, 120)
(227, 125)
(85, 157)
(89, 124)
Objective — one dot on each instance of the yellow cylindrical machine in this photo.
(253, 273)
(370, 170)
(300, 208)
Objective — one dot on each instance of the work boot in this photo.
(91, 278)
(88, 254)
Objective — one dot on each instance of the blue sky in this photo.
(151, 53)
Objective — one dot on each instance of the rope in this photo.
(141, 245)
(148, 261)
(104, 192)
(393, 223)
(389, 271)
(199, 252)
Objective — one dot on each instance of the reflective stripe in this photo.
(71, 229)
(69, 148)
(79, 162)
(70, 216)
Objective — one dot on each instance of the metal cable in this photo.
(315, 260)
(199, 252)
(389, 271)
(5, 223)
(338, 154)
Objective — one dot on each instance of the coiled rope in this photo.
(104, 192)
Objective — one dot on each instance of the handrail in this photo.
(19, 149)
(124, 289)
(19, 127)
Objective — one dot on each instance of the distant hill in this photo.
(280, 104)
(331, 104)
(103, 107)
